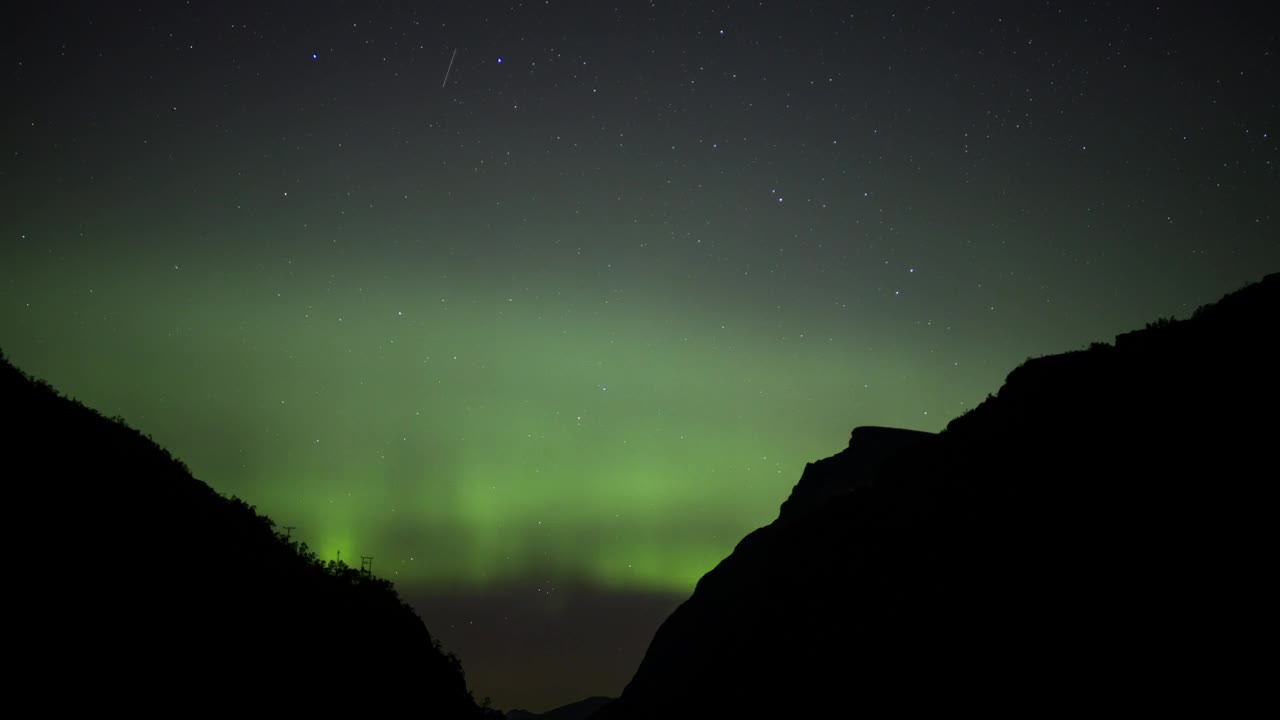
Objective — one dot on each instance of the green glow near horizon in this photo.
(385, 311)
(476, 440)
(561, 430)
(446, 411)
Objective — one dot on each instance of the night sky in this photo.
(548, 338)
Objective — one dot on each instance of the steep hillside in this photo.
(572, 711)
(135, 583)
(1093, 536)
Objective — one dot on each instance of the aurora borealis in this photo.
(548, 341)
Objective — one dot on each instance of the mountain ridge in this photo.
(573, 711)
(987, 564)
(869, 446)
(163, 587)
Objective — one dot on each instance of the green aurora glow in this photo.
(459, 436)
(462, 435)
(580, 318)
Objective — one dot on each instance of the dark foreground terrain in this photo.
(1094, 536)
(143, 588)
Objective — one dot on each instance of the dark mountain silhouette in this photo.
(573, 711)
(856, 467)
(135, 583)
(1096, 536)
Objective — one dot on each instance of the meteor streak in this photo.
(446, 71)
